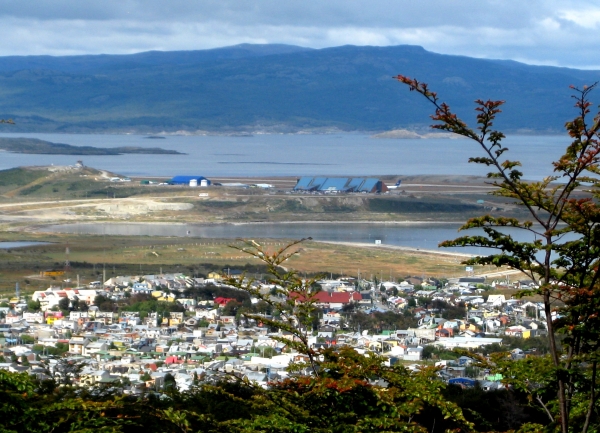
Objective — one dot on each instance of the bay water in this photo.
(293, 155)
(424, 236)
(19, 244)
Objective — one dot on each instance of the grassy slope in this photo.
(41, 183)
(19, 177)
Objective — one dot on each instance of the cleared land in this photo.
(36, 196)
(33, 197)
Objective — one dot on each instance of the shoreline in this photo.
(426, 133)
(374, 222)
(44, 228)
(399, 248)
(233, 223)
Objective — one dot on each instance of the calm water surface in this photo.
(422, 236)
(19, 244)
(292, 155)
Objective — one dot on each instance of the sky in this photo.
(543, 32)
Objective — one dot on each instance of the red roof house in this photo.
(333, 300)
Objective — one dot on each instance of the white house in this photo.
(496, 300)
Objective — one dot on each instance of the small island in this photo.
(406, 134)
(36, 146)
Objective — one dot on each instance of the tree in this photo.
(61, 347)
(169, 382)
(564, 203)
(231, 308)
(34, 306)
(27, 339)
(63, 304)
(104, 303)
(78, 305)
(265, 351)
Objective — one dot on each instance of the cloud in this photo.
(542, 31)
(335, 13)
(587, 18)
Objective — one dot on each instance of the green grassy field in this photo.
(91, 257)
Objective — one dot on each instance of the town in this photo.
(362, 217)
(146, 333)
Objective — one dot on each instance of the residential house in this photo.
(496, 300)
(333, 300)
(77, 345)
(413, 353)
(326, 331)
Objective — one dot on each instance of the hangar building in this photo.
(341, 184)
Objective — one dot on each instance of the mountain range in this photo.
(274, 88)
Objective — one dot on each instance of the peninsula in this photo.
(36, 146)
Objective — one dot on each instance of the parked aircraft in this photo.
(395, 186)
(235, 185)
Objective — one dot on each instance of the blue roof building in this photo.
(463, 381)
(185, 180)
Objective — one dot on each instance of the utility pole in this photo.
(67, 262)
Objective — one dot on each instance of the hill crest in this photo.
(273, 88)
